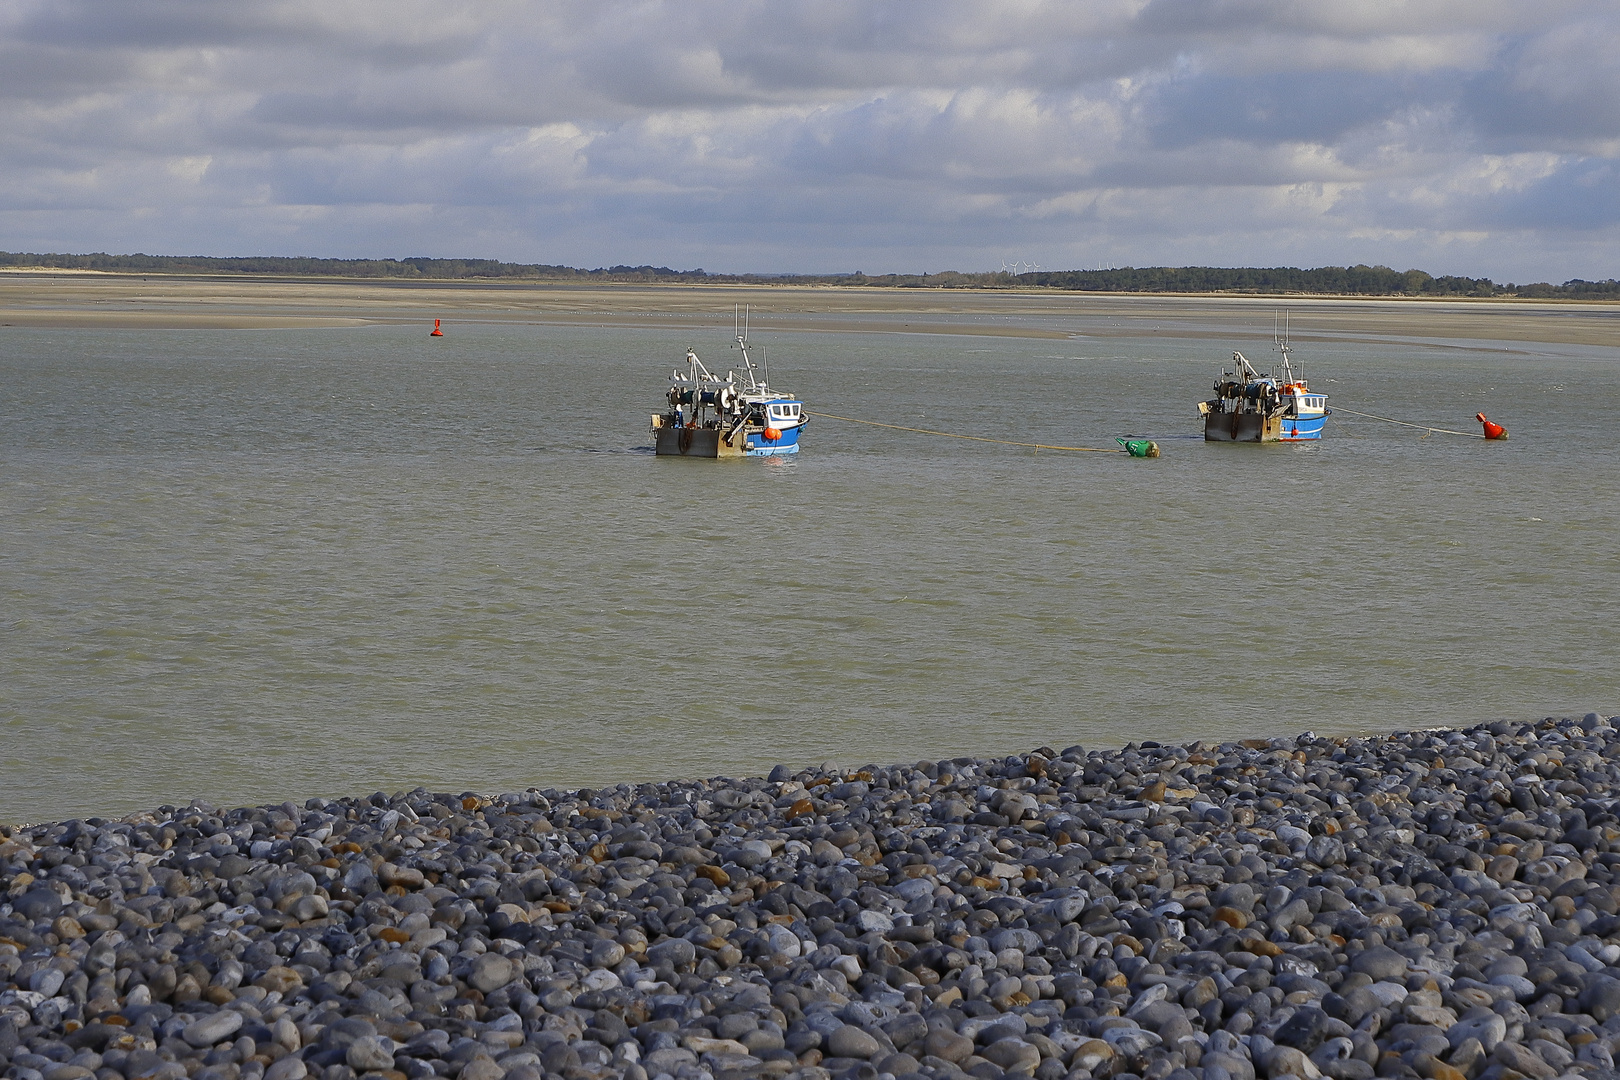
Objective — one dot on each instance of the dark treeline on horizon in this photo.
(1324, 281)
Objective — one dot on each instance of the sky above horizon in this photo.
(1474, 137)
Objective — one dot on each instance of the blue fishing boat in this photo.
(1250, 406)
(714, 417)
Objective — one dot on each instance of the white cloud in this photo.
(1463, 136)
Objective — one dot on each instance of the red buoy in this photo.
(436, 331)
(1492, 431)
(772, 434)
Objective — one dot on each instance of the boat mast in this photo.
(741, 316)
(1280, 344)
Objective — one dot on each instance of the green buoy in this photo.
(1144, 448)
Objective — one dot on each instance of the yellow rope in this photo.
(974, 438)
(1403, 423)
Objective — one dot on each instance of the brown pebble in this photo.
(1435, 1069)
(1231, 917)
(186, 989)
(714, 874)
(284, 980)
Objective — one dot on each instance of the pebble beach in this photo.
(1436, 904)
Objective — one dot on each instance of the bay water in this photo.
(252, 565)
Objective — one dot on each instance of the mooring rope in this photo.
(974, 438)
(1403, 423)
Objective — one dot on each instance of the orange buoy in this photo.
(1492, 431)
(772, 434)
(436, 331)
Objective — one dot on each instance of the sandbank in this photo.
(62, 299)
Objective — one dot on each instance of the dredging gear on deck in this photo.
(1492, 431)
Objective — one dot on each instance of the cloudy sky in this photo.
(1477, 137)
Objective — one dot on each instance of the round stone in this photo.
(490, 972)
(37, 904)
(1379, 962)
(370, 1053)
(214, 1028)
(851, 1042)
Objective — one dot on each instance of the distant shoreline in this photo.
(1357, 280)
(53, 298)
(785, 283)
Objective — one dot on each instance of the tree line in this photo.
(1357, 280)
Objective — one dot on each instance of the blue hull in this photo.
(787, 444)
(1302, 430)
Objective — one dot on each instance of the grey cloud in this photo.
(818, 134)
(1271, 107)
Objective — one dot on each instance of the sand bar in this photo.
(51, 299)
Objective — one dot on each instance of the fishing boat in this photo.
(711, 417)
(1250, 406)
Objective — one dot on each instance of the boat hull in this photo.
(758, 446)
(707, 443)
(691, 442)
(1242, 427)
(1303, 429)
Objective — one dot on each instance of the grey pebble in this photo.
(490, 972)
(213, 1029)
(370, 1052)
(850, 1041)
(1292, 906)
(286, 1068)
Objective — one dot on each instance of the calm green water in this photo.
(249, 565)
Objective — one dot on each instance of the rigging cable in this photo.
(974, 438)
(1403, 423)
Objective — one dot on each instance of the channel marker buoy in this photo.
(436, 331)
(1142, 448)
(1492, 431)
